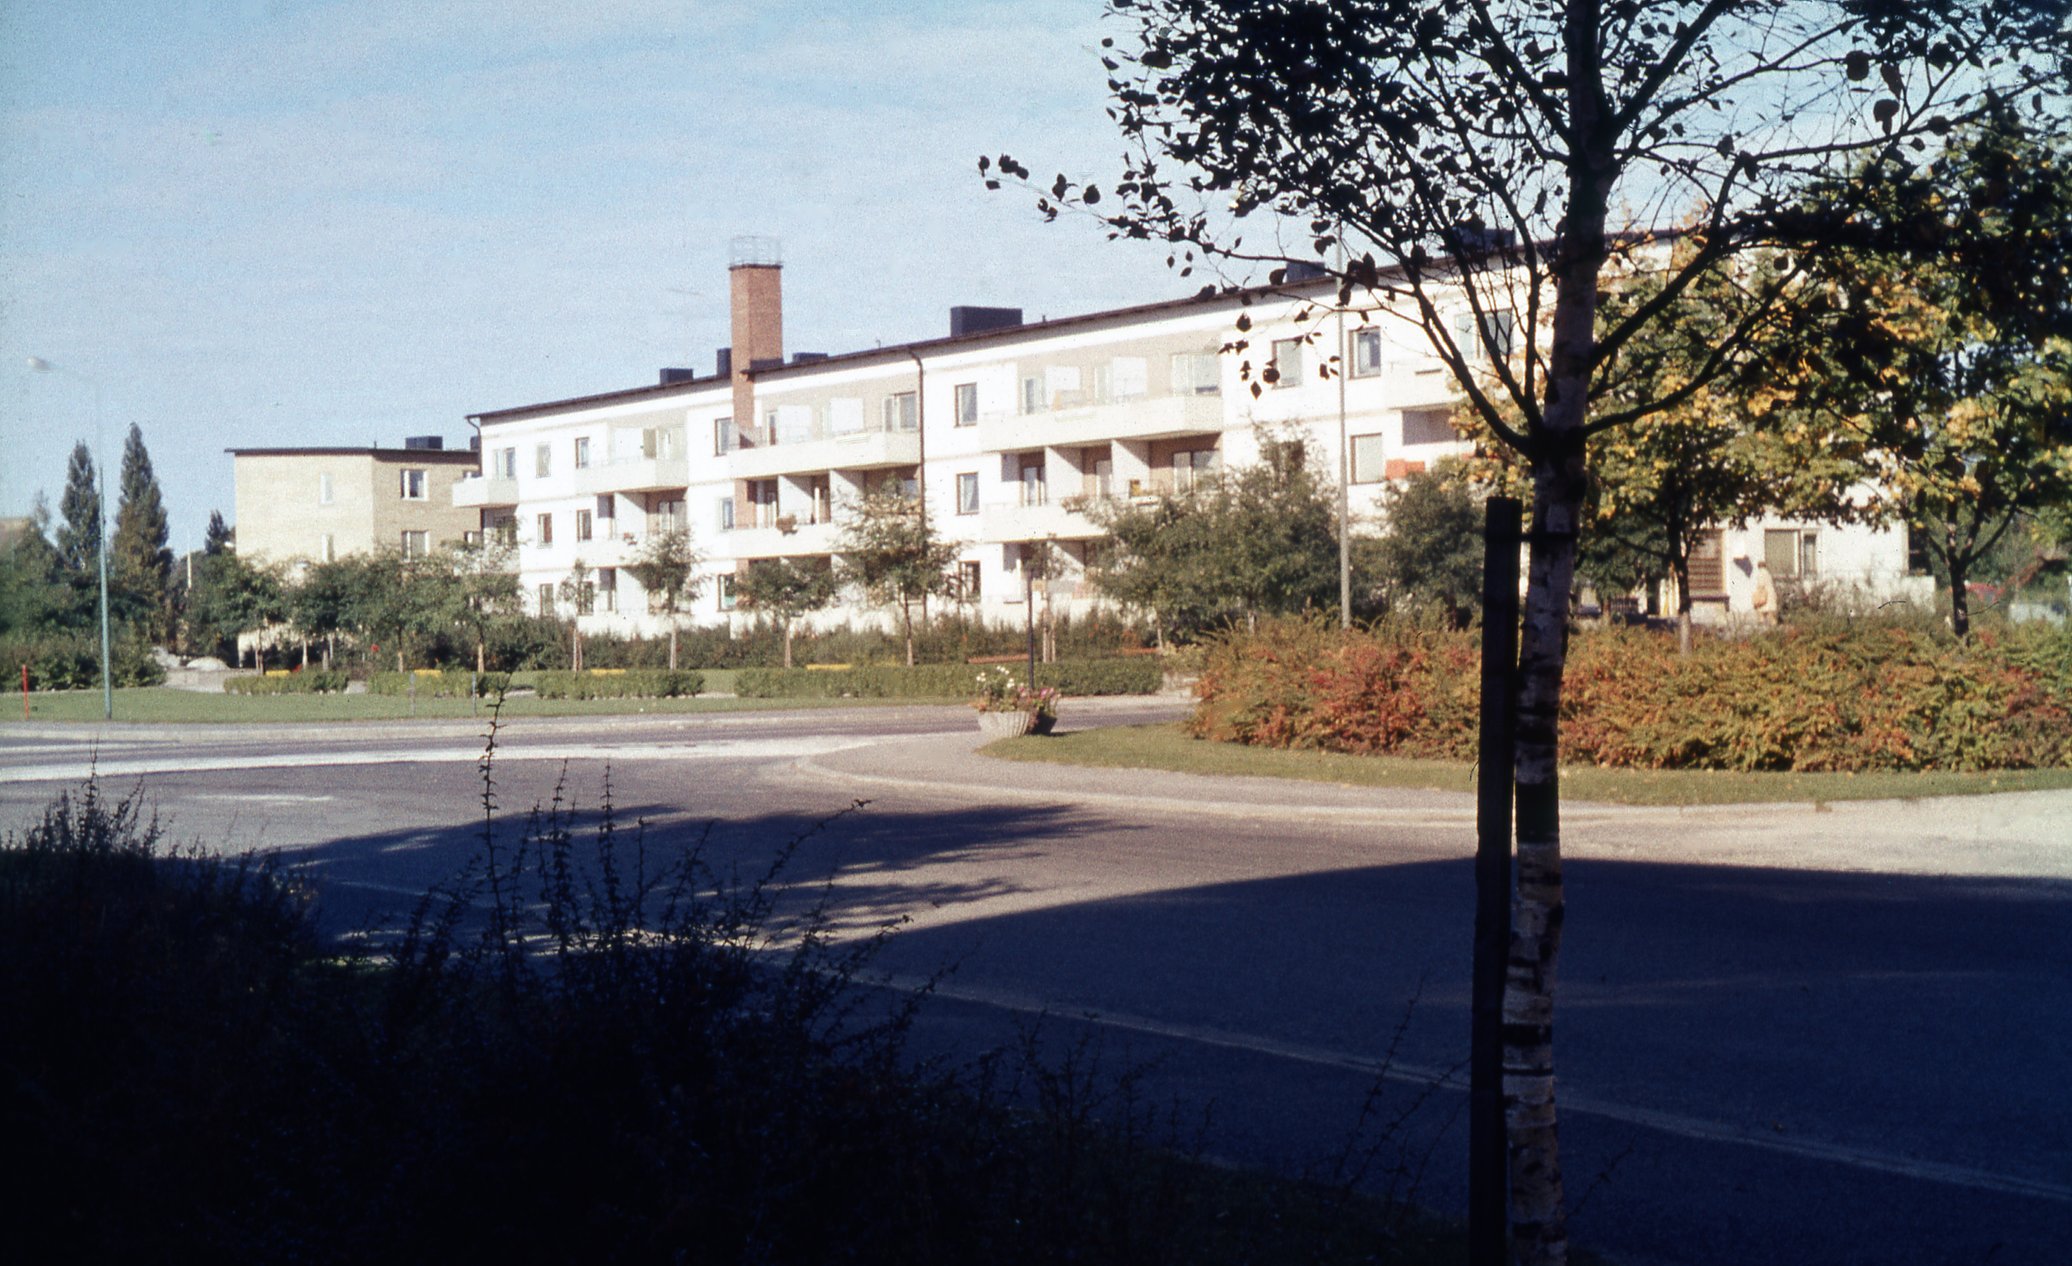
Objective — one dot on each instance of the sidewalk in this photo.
(2026, 835)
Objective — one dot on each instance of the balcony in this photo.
(1026, 512)
(478, 492)
(771, 541)
(759, 454)
(639, 474)
(1150, 418)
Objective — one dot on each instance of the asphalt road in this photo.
(1788, 1034)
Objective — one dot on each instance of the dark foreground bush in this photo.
(310, 681)
(1139, 675)
(574, 1056)
(1832, 698)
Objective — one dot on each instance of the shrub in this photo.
(72, 660)
(1829, 697)
(432, 683)
(310, 681)
(1138, 675)
(630, 683)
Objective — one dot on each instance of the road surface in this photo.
(1788, 1033)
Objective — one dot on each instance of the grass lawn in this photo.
(157, 703)
(1168, 747)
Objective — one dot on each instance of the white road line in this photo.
(1412, 1074)
(719, 749)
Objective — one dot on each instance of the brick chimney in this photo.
(755, 289)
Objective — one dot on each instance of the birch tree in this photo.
(787, 589)
(1473, 158)
(667, 569)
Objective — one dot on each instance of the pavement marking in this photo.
(1694, 1128)
(717, 749)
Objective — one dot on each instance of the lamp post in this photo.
(39, 365)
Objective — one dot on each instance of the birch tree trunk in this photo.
(1539, 1217)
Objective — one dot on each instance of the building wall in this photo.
(283, 513)
(1131, 403)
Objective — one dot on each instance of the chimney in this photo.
(433, 443)
(726, 362)
(755, 288)
(966, 319)
(672, 375)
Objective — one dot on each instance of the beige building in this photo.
(307, 505)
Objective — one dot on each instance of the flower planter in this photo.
(1014, 724)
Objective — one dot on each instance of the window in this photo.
(1792, 552)
(1499, 335)
(725, 588)
(1287, 362)
(582, 452)
(1032, 395)
(543, 460)
(329, 551)
(413, 485)
(608, 588)
(657, 443)
(665, 516)
(967, 404)
(506, 463)
(607, 506)
(586, 598)
(546, 599)
(583, 532)
(1191, 466)
(1429, 426)
(902, 411)
(415, 544)
(1030, 477)
(968, 580)
(1365, 353)
(724, 440)
(1917, 550)
(1123, 378)
(324, 489)
(726, 514)
(505, 528)
(1367, 459)
(821, 496)
(545, 533)
(1197, 374)
(967, 493)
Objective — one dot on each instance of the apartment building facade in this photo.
(1009, 433)
(310, 505)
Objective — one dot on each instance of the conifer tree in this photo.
(140, 563)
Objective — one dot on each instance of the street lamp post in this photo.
(42, 366)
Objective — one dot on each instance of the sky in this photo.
(270, 223)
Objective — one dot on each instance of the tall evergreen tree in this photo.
(79, 532)
(140, 563)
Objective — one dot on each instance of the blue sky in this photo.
(282, 223)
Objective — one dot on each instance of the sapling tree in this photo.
(667, 568)
(890, 551)
(1481, 164)
(787, 589)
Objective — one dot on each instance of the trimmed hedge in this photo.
(72, 661)
(608, 683)
(1871, 697)
(313, 681)
(1136, 676)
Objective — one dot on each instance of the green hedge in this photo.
(72, 661)
(632, 683)
(1136, 676)
(308, 682)
(1862, 698)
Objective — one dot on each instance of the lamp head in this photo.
(40, 365)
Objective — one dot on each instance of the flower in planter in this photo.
(998, 691)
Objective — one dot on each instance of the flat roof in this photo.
(414, 454)
(1006, 333)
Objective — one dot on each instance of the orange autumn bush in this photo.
(1872, 696)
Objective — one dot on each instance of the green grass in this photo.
(1168, 747)
(159, 704)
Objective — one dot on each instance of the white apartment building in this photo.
(1008, 431)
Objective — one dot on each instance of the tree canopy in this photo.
(890, 551)
(1490, 157)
